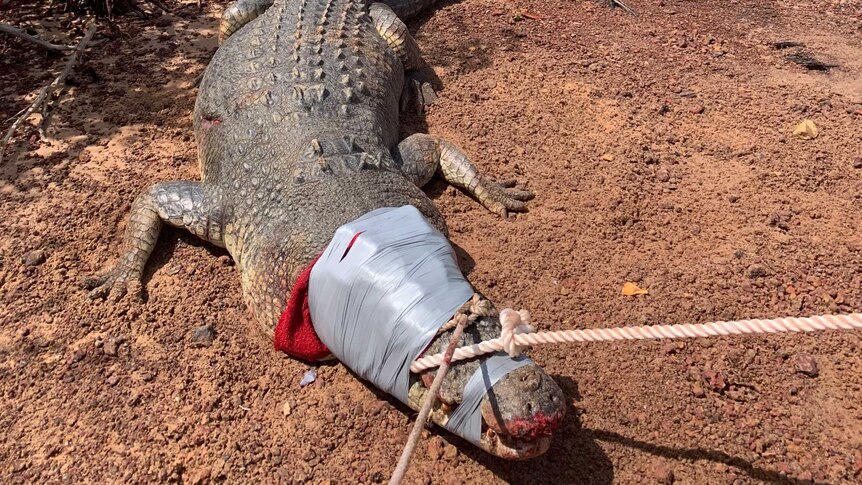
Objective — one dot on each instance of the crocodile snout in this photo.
(526, 404)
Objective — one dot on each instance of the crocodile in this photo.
(297, 126)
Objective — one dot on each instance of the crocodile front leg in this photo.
(420, 155)
(416, 87)
(183, 204)
(239, 14)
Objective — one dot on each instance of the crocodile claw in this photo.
(502, 197)
(113, 285)
(418, 92)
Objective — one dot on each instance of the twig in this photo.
(9, 29)
(621, 3)
(43, 97)
(427, 404)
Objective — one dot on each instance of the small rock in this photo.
(34, 258)
(609, 157)
(857, 163)
(435, 448)
(715, 381)
(779, 220)
(76, 357)
(286, 409)
(309, 377)
(202, 476)
(203, 336)
(663, 474)
(806, 130)
(698, 391)
(163, 21)
(756, 271)
(113, 380)
(308, 455)
(111, 346)
(696, 109)
(450, 452)
(662, 175)
(733, 199)
(806, 364)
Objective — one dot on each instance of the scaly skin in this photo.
(297, 128)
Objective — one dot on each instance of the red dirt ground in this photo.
(661, 150)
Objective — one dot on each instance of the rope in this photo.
(468, 313)
(517, 334)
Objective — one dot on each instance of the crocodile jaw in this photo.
(497, 444)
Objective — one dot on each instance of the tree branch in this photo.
(45, 93)
(9, 29)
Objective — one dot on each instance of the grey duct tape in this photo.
(378, 304)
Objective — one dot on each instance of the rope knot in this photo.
(514, 323)
(480, 307)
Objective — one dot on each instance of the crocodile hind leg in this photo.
(416, 88)
(239, 14)
(180, 204)
(420, 155)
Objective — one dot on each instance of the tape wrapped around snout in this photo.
(379, 293)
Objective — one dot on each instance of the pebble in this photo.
(806, 364)
(201, 476)
(112, 381)
(163, 21)
(111, 346)
(715, 381)
(203, 336)
(756, 271)
(450, 452)
(309, 377)
(698, 391)
(77, 356)
(662, 474)
(662, 175)
(779, 220)
(435, 448)
(34, 258)
(696, 109)
(857, 163)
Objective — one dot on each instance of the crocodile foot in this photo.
(114, 284)
(519, 414)
(417, 93)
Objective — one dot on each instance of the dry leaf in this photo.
(631, 289)
(806, 130)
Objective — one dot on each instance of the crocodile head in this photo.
(519, 414)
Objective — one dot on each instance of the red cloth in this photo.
(294, 334)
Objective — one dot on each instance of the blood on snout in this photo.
(207, 123)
